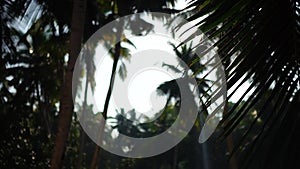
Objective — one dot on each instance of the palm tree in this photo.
(258, 42)
(171, 88)
(124, 8)
(66, 103)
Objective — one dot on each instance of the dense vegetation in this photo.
(258, 42)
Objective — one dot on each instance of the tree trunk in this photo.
(82, 133)
(66, 103)
(175, 157)
(108, 95)
(230, 145)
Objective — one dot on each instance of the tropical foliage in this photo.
(258, 42)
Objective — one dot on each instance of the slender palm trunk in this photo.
(82, 133)
(175, 157)
(66, 103)
(108, 96)
(230, 145)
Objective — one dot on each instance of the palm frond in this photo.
(258, 42)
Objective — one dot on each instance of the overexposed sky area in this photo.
(142, 84)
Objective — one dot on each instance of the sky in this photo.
(140, 89)
(140, 94)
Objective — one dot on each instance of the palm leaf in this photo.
(257, 41)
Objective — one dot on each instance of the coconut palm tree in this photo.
(258, 42)
(66, 103)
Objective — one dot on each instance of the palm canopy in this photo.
(258, 42)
